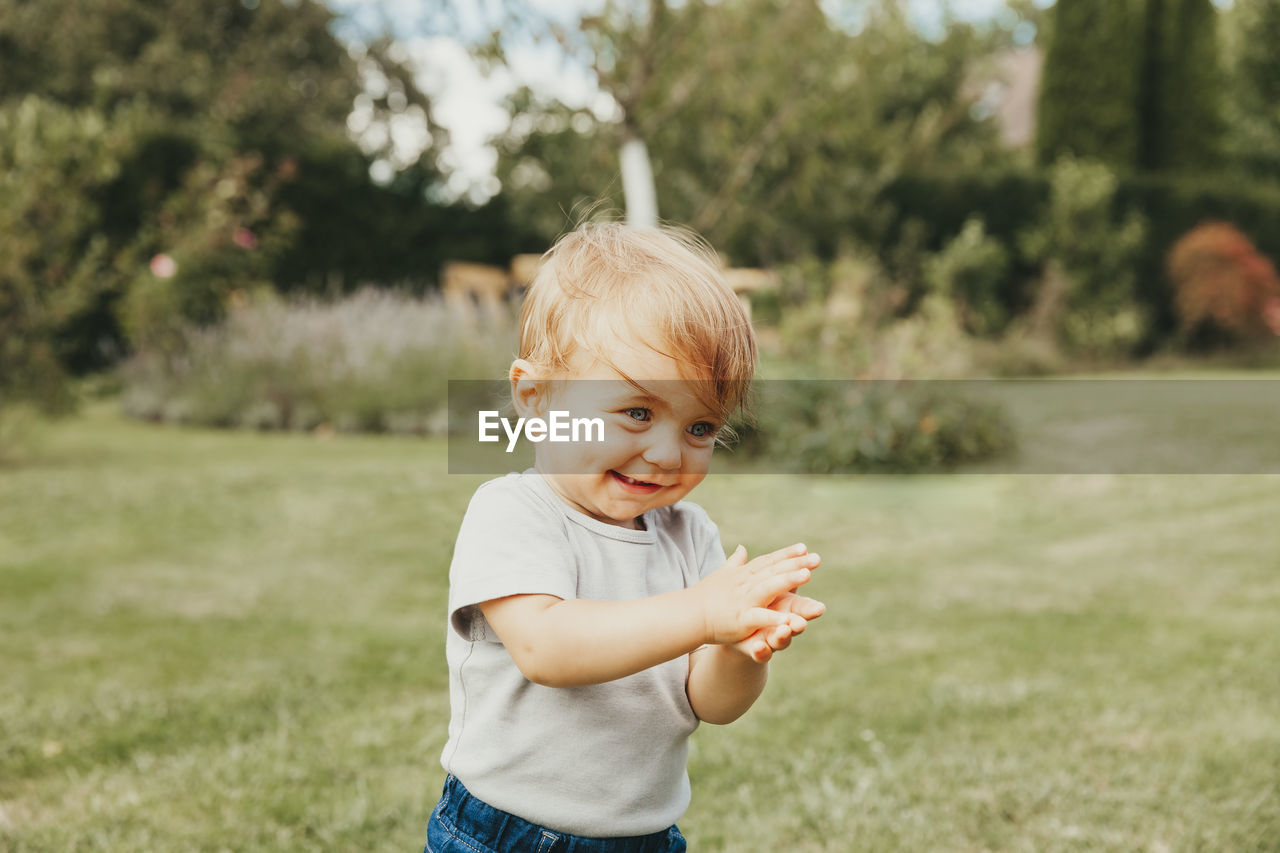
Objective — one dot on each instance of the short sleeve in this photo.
(714, 556)
(709, 553)
(510, 543)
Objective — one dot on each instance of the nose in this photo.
(663, 450)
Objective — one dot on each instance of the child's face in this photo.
(657, 443)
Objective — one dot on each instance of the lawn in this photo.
(234, 641)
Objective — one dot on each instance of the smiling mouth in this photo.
(633, 485)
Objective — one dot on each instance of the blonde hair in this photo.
(606, 278)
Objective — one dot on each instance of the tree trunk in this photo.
(637, 183)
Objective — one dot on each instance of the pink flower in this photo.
(1271, 315)
(164, 266)
(245, 239)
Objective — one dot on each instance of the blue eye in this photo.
(639, 414)
(702, 429)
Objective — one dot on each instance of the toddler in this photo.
(594, 617)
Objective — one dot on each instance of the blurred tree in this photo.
(54, 262)
(1090, 89)
(1086, 297)
(229, 107)
(770, 128)
(1180, 105)
(555, 163)
(1252, 32)
(1134, 84)
(259, 75)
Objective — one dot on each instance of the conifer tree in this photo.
(1091, 82)
(1255, 90)
(1180, 103)
(1133, 83)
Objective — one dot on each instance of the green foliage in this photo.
(555, 164)
(1087, 294)
(258, 75)
(799, 123)
(220, 232)
(54, 263)
(1253, 105)
(940, 204)
(376, 361)
(1173, 206)
(887, 410)
(224, 147)
(1134, 84)
(352, 232)
(850, 319)
(1089, 94)
(1181, 98)
(970, 269)
(845, 426)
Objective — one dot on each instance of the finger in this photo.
(780, 638)
(767, 590)
(797, 623)
(800, 561)
(808, 608)
(756, 646)
(738, 557)
(767, 560)
(757, 618)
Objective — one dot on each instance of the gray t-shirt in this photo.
(600, 760)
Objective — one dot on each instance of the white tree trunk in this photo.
(637, 184)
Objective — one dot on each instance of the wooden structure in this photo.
(472, 288)
(748, 280)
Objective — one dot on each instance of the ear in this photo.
(528, 389)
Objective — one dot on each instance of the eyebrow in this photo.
(638, 397)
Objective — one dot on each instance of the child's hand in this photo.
(761, 645)
(736, 598)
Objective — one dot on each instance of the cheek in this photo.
(593, 457)
(698, 460)
(618, 441)
(694, 472)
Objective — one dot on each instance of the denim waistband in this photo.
(501, 830)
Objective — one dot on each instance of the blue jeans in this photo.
(462, 823)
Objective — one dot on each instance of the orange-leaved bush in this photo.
(1222, 281)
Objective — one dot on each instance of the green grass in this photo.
(234, 641)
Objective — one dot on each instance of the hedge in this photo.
(1010, 202)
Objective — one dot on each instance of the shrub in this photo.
(970, 269)
(855, 329)
(1089, 259)
(376, 361)
(54, 263)
(1223, 285)
(1008, 202)
(835, 426)
(873, 418)
(214, 234)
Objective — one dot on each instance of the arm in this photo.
(561, 643)
(725, 681)
(569, 643)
